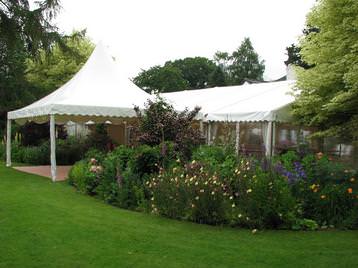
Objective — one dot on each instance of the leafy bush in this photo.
(189, 193)
(83, 176)
(217, 187)
(160, 122)
(250, 197)
(2, 152)
(145, 160)
(326, 190)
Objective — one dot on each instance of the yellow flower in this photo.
(254, 231)
(248, 190)
(239, 215)
(323, 196)
(196, 197)
(233, 205)
(352, 179)
(201, 190)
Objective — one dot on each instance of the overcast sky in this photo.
(143, 33)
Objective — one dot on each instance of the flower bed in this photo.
(216, 187)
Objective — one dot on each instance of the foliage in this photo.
(196, 71)
(31, 25)
(52, 70)
(23, 31)
(99, 138)
(326, 190)
(160, 122)
(247, 198)
(328, 91)
(145, 160)
(199, 72)
(216, 187)
(67, 152)
(189, 193)
(187, 73)
(161, 79)
(84, 176)
(243, 64)
(294, 57)
(111, 237)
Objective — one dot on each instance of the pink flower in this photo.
(93, 169)
(99, 169)
(93, 161)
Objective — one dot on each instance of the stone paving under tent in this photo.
(45, 171)
(98, 92)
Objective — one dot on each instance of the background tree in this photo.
(182, 74)
(245, 64)
(51, 70)
(328, 96)
(161, 79)
(22, 33)
(294, 57)
(196, 71)
(32, 26)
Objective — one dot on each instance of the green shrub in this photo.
(84, 176)
(189, 193)
(131, 192)
(145, 160)
(2, 152)
(70, 150)
(326, 190)
(262, 199)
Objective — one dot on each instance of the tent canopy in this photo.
(98, 92)
(249, 102)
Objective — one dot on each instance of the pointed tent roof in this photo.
(98, 92)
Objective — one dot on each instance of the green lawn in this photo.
(44, 224)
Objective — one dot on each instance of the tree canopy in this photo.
(23, 31)
(187, 73)
(242, 64)
(328, 96)
(51, 70)
(201, 72)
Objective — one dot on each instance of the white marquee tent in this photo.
(98, 92)
(267, 102)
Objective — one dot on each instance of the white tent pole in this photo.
(273, 139)
(125, 133)
(268, 139)
(209, 133)
(53, 147)
(237, 138)
(201, 127)
(8, 143)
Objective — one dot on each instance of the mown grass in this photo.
(45, 224)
